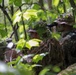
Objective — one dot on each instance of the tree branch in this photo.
(7, 15)
(5, 12)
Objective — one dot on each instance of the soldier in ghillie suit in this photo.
(64, 25)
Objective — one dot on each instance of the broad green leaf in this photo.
(38, 40)
(37, 58)
(21, 29)
(28, 45)
(32, 43)
(55, 2)
(30, 13)
(21, 44)
(16, 17)
(18, 2)
(0, 1)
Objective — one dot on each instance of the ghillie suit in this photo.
(55, 56)
(69, 46)
(68, 40)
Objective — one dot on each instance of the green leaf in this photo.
(39, 57)
(44, 71)
(21, 44)
(0, 1)
(16, 17)
(18, 2)
(32, 43)
(55, 2)
(30, 13)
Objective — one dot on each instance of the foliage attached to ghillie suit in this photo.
(55, 54)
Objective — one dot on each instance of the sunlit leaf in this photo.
(30, 13)
(38, 40)
(21, 44)
(28, 45)
(32, 43)
(55, 2)
(39, 57)
(16, 17)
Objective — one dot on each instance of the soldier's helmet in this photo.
(65, 19)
